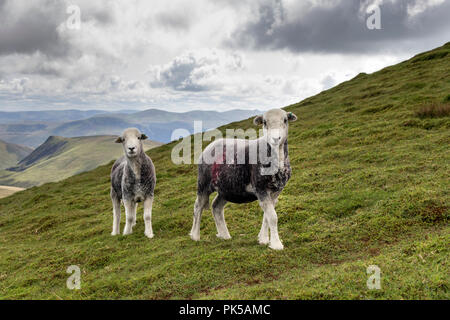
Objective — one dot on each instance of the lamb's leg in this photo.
(272, 220)
(116, 216)
(263, 236)
(148, 217)
(217, 209)
(134, 216)
(130, 214)
(200, 203)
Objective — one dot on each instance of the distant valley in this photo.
(59, 158)
(33, 128)
(11, 154)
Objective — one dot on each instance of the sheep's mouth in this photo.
(132, 153)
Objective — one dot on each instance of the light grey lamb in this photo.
(133, 180)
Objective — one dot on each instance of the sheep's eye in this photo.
(285, 120)
(265, 123)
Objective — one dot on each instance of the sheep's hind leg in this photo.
(148, 203)
(200, 203)
(263, 236)
(116, 216)
(130, 214)
(217, 209)
(272, 220)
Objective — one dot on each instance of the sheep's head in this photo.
(275, 125)
(131, 140)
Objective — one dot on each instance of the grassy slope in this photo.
(66, 159)
(11, 153)
(370, 185)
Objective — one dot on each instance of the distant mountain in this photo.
(58, 158)
(157, 124)
(48, 115)
(11, 154)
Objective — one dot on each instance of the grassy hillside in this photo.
(370, 185)
(59, 158)
(11, 154)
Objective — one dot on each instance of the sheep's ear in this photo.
(258, 120)
(143, 136)
(292, 117)
(119, 140)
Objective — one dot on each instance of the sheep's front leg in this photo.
(116, 216)
(130, 213)
(148, 203)
(272, 220)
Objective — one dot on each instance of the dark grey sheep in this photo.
(246, 181)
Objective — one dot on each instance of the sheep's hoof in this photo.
(149, 235)
(276, 246)
(115, 233)
(224, 237)
(195, 237)
(263, 240)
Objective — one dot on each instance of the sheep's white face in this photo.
(275, 125)
(131, 140)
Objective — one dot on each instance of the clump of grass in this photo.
(434, 110)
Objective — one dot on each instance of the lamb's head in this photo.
(275, 125)
(131, 140)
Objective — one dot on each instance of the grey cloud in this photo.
(341, 28)
(195, 71)
(174, 20)
(29, 27)
(32, 28)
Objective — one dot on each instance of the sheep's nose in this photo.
(131, 148)
(276, 140)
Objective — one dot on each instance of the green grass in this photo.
(61, 158)
(370, 185)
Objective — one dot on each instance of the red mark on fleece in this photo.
(215, 170)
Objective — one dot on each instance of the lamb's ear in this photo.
(143, 136)
(119, 140)
(258, 120)
(292, 117)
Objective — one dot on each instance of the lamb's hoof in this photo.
(224, 237)
(263, 240)
(195, 237)
(276, 246)
(149, 235)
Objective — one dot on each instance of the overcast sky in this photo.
(184, 55)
